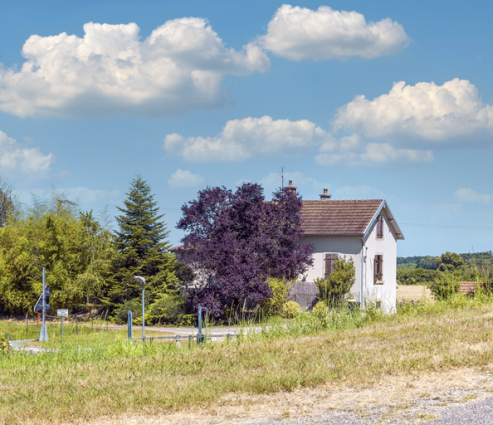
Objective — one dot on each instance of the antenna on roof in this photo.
(282, 177)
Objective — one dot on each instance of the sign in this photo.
(62, 313)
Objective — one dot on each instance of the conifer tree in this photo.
(142, 250)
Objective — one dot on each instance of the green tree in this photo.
(449, 262)
(75, 250)
(338, 283)
(427, 262)
(142, 250)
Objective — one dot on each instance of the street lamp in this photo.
(143, 305)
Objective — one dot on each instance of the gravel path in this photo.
(425, 411)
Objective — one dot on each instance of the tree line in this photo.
(236, 243)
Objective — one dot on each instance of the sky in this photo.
(373, 100)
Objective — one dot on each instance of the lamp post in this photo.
(143, 305)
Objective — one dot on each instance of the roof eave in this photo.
(398, 233)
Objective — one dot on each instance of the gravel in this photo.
(458, 412)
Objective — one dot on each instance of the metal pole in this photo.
(92, 323)
(76, 327)
(62, 329)
(8, 333)
(27, 328)
(43, 336)
(143, 312)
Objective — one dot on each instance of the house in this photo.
(364, 230)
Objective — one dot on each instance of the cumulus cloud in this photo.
(17, 159)
(299, 33)
(351, 150)
(184, 179)
(441, 114)
(110, 70)
(470, 196)
(248, 138)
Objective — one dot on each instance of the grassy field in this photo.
(413, 293)
(342, 348)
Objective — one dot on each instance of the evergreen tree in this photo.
(142, 250)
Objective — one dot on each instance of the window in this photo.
(380, 227)
(378, 268)
(330, 264)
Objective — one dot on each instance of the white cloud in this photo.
(470, 196)
(448, 113)
(370, 154)
(358, 192)
(86, 197)
(111, 70)
(17, 159)
(183, 179)
(300, 33)
(248, 138)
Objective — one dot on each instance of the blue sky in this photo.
(377, 99)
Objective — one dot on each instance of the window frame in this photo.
(378, 269)
(379, 227)
(329, 259)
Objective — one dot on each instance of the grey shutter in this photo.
(378, 268)
(380, 227)
(330, 263)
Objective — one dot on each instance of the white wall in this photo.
(351, 247)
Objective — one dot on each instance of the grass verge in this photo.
(341, 348)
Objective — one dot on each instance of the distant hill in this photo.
(425, 261)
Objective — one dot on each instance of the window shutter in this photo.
(330, 263)
(380, 227)
(378, 268)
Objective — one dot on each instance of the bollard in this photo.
(27, 329)
(228, 338)
(76, 328)
(8, 333)
(190, 338)
(62, 329)
(129, 320)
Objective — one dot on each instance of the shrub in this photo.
(333, 288)
(444, 286)
(291, 309)
(4, 344)
(319, 309)
(166, 309)
(189, 320)
(280, 291)
(121, 314)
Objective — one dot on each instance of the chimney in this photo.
(325, 196)
(291, 188)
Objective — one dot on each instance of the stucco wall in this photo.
(351, 247)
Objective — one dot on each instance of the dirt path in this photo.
(399, 399)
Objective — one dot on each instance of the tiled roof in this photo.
(328, 217)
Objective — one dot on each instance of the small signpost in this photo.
(62, 313)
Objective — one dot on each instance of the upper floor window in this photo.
(380, 227)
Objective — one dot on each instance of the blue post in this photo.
(200, 336)
(143, 313)
(129, 324)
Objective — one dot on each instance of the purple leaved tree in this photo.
(236, 241)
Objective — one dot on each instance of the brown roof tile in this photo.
(328, 217)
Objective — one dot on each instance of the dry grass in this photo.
(413, 293)
(41, 390)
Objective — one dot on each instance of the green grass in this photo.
(341, 347)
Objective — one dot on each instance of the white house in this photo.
(364, 230)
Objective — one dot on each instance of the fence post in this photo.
(27, 328)
(92, 323)
(129, 320)
(76, 328)
(228, 338)
(190, 338)
(8, 333)
(62, 329)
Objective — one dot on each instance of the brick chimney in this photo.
(325, 196)
(291, 188)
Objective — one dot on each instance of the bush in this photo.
(319, 309)
(417, 276)
(4, 344)
(189, 320)
(333, 288)
(166, 309)
(121, 314)
(280, 291)
(444, 286)
(290, 309)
